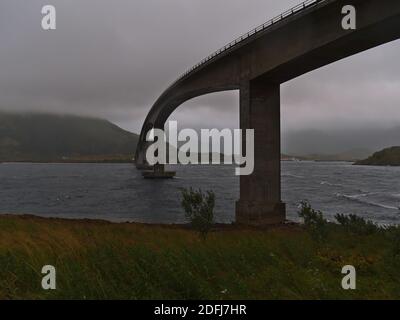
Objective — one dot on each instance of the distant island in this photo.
(386, 157)
(351, 155)
(36, 137)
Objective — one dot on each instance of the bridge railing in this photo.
(295, 10)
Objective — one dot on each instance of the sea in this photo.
(118, 193)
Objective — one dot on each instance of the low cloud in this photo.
(112, 60)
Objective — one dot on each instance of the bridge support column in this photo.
(260, 193)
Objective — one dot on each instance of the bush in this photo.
(314, 221)
(356, 224)
(199, 209)
(393, 236)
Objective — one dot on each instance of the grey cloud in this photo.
(113, 58)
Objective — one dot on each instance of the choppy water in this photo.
(117, 192)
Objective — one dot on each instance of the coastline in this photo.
(217, 227)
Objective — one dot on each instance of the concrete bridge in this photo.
(300, 40)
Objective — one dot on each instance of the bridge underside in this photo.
(257, 67)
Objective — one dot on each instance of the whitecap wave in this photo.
(331, 184)
(360, 198)
(292, 176)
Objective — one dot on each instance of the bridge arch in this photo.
(300, 40)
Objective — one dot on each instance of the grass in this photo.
(100, 260)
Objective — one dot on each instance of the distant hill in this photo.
(349, 155)
(47, 137)
(386, 157)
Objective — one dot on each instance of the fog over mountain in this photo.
(113, 59)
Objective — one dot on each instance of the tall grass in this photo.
(99, 260)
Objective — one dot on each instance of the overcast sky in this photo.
(112, 59)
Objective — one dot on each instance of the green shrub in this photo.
(199, 209)
(356, 224)
(393, 236)
(314, 221)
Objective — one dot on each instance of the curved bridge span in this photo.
(305, 38)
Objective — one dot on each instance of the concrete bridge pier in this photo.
(260, 193)
(158, 172)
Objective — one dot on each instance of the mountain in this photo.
(48, 137)
(349, 155)
(386, 157)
